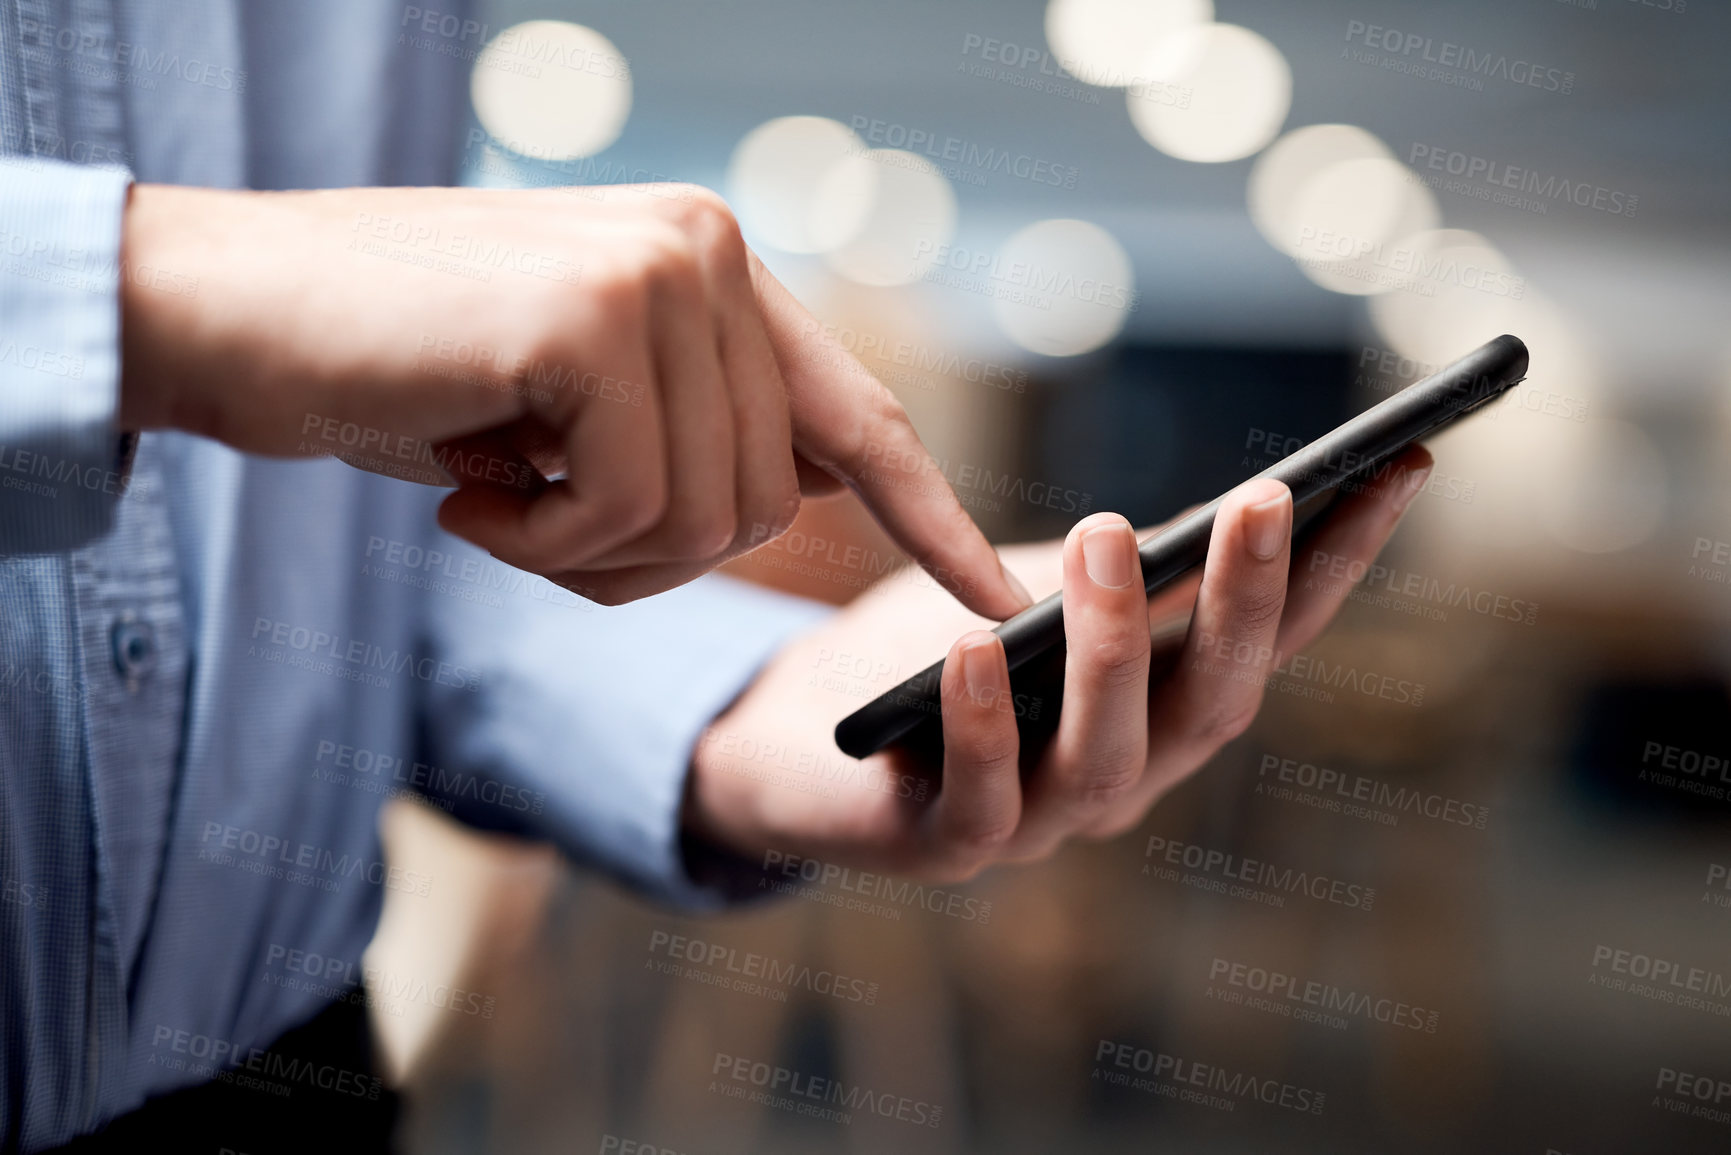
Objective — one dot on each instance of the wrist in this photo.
(159, 299)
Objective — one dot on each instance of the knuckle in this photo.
(978, 843)
(772, 515)
(1120, 658)
(617, 294)
(701, 533)
(634, 509)
(883, 426)
(1256, 611)
(706, 217)
(1224, 721)
(670, 260)
(1116, 822)
(993, 752)
(1106, 783)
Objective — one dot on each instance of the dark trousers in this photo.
(314, 1090)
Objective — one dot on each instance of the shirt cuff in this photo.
(61, 457)
(586, 718)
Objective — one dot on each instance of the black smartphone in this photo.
(910, 714)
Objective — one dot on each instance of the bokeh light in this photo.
(1079, 288)
(1455, 291)
(776, 175)
(1104, 42)
(1351, 216)
(887, 215)
(1281, 175)
(1211, 92)
(551, 90)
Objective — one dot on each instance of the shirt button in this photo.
(134, 645)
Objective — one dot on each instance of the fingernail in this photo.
(980, 669)
(1016, 587)
(1266, 526)
(1109, 556)
(1410, 487)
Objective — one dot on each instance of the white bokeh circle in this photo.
(1069, 288)
(1211, 93)
(1104, 42)
(1351, 217)
(892, 214)
(551, 90)
(780, 183)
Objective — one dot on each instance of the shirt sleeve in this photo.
(62, 461)
(577, 723)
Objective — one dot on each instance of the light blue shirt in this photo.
(214, 668)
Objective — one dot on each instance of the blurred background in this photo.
(1120, 254)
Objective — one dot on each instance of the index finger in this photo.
(847, 424)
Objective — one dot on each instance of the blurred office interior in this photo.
(1222, 206)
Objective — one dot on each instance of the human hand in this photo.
(624, 338)
(767, 775)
